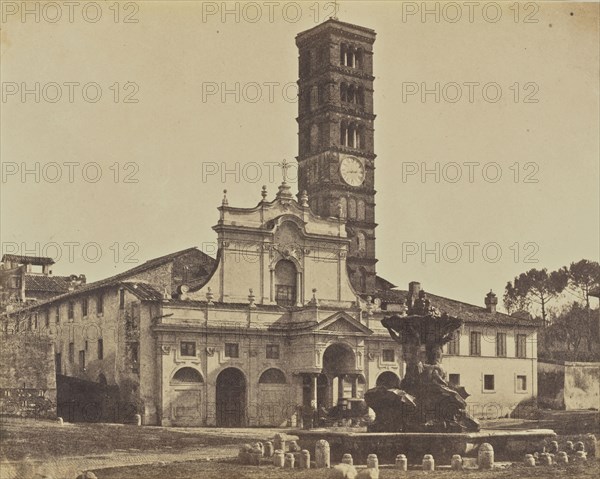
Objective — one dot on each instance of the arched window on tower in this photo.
(285, 283)
(343, 48)
(351, 136)
(358, 58)
(361, 96)
(343, 207)
(351, 94)
(343, 92)
(343, 133)
(360, 137)
(361, 244)
(314, 138)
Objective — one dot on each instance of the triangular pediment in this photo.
(343, 323)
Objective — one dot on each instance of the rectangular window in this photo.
(71, 352)
(47, 317)
(84, 307)
(454, 379)
(57, 317)
(488, 382)
(388, 356)
(121, 299)
(232, 350)
(521, 345)
(521, 383)
(71, 310)
(99, 304)
(82, 360)
(501, 345)
(475, 349)
(86, 345)
(100, 349)
(187, 348)
(272, 351)
(285, 295)
(453, 348)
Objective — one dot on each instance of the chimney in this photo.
(413, 293)
(490, 302)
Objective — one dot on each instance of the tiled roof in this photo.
(143, 291)
(42, 282)
(469, 313)
(22, 259)
(118, 278)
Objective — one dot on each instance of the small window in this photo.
(272, 351)
(100, 304)
(475, 349)
(501, 345)
(71, 352)
(232, 350)
(86, 345)
(121, 299)
(454, 380)
(521, 345)
(100, 349)
(84, 307)
(453, 346)
(71, 310)
(521, 383)
(388, 355)
(57, 316)
(47, 317)
(488, 382)
(187, 348)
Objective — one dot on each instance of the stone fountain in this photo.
(425, 401)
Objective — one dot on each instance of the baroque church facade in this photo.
(288, 315)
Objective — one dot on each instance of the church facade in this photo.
(288, 315)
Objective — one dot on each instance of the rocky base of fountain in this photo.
(509, 445)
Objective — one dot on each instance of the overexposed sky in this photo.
(214, 85)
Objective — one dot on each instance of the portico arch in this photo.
(339, 366)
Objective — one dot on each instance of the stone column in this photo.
(313, 390)
(340, 387)
(355, 386)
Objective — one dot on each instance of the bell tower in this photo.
(336, 159)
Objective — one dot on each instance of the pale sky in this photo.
(180, 56)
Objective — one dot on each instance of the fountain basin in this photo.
(508, 444)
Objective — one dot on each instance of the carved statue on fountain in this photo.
(425, 402)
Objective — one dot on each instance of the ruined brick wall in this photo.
(27, 376)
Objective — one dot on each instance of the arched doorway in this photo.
(339, 365)
(185, 397)
(231, 398)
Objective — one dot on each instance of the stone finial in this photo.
(553, 447)
(485, 456)
(278, 458)
(263, 193)
(225, 202)
(304, 199)
(279, 441)
(401, 462)
(372, 461)
(370, 306)
(322, 454)
(591, 445)
(244, 454)
(314, 301)
(545, 459)
(260, 446)
(456, 463)
(289, 461)
(529, 460)
(138, 420)
(428, 463)
(304, 459)
(251, 298)
(579, 446)
(347, 459)
(569, 448)
(209, 295)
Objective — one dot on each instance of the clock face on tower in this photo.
(352, 171)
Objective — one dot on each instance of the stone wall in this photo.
(569, 385)
(27, 376)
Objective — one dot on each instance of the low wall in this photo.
(569, 385)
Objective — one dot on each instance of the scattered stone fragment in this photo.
(553, 447)
(579, 446)
(294, 447)
(545, 459)
(401, 462)
(368, 473)
(138, 420)
(244, 454)
(428, 463)
(304, 459)
(289, 461)
(322, 454)
(60, 421)
(591, 445)
(569, 448)
(562, 458)
(278, 459)
(372, 461)
(347, 459)
(485, 456)
(268, 449)
(580, 456)
(279, 442)
(529, 460)
(456, 463)
(343, 471)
